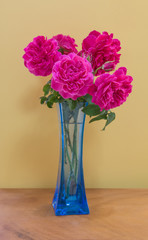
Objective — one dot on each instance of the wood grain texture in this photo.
(115, 214)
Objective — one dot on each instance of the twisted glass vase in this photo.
(70, 197)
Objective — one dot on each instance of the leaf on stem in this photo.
(46, 89)
(91, 110)
(102, 115)
(50, 100)
(110, 117)
(60, 99)
(43, 99)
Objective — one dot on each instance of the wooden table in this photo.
(116, 214)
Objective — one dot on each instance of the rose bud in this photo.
(108, 66)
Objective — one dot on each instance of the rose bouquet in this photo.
(81, 84)
(82, 76)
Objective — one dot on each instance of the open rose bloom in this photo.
(73, 73)
(72, 76)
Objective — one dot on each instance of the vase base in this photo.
(70, 210)
(70, 206)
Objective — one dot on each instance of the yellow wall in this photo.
(29, 147)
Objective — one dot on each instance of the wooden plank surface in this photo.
(115, 214)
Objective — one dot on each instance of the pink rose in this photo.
(66, 44)
(72, 76)
(40, 56)
(101, 48)
(110, 91)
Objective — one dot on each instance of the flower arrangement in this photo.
(82, 76)
(80, 81)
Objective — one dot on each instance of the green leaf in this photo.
(49, 104)
(61, 50)
(60, 100)
(46, 89)
(110, 117)
(50, 100)
(56, 100)
(50, 97)
(88, 98)
(102, 115)
(91, 110)
(43, 99)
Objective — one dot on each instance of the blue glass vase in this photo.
(70, 197)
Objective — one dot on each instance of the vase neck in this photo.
(66, 115)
